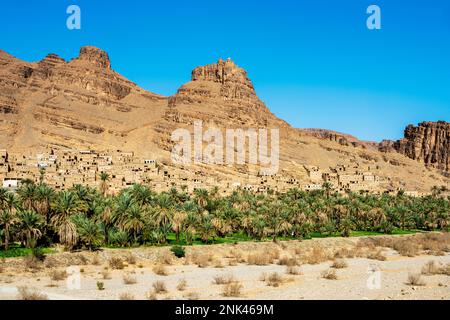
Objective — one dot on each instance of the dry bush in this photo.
(165, 258)
(339, 264)
(218, 264)
(430, 268)
(273, 279)
(31, 262)
(344, 253)
(106, 274)
(78, 259)
(318, 255)
(116, 263)
(329, 274)
(258, 259)
(151, 295)
(232, 289)
(376, 255)
(446, 269)
(415, 279)
(182, 284)
(130, 258)
(129, 279)
(288, 261)
(293, 270)
(95, 260)
(26, 293)
(202, 260)
(159, 287)
(192, 296)
(51, 262)
(160, 270)
(406, 248)
(232, 262)
(126, 296)
(58, 275)
(224, 279)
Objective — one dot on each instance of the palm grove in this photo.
(83, 217)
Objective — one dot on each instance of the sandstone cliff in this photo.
(429, 142)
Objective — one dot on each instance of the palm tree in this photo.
(7, 219)
(104, 179)
(177, 223)
(44, 196)
(65, 206)
(30, 227)
(89, 232)
(27, 195)
(134, 221)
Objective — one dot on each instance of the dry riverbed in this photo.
(388, 267)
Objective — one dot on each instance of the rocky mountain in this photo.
(84, 104)
(429, 142)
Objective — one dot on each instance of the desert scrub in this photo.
(106, 274)
(258, 259)
(415, 279)
(182, 284)
(431, 268)
(273, 279)
(329, 274)
(126, 296)
(130, 258)
(317, 255)
(160, 270)
(116, 263)
(376, 255)
(224, 279)
(339, 264)
(202, 260)
(58, 275)
(232, 289)
(129, 279)
(159, 287)
(288, 261)
(293, 270)
(26, 293)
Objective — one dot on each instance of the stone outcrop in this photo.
(94, 56)
(429, 142)
(222, 80)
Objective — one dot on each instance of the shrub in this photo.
(191, 296)
(130, 258)
(31, 262)
(317, 255)
(106, 274)
(116, 263)
(100, 285)
(377, 255)
(159, 287)
(293, 270)
(431, 268)
(288, 261)
(165, 258)
(339, 264)
(273, 279)
(258, 259)
(232, 289)
(30, 294)
(329, 274)
(182, 284)
(224, 279)
(126, 296)
(58, 275)
(95, 260)
(415, 279)
(406, 248)
(178, 251)
(129, 279)
(160, 270)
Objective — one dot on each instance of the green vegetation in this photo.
(83, 217)
(178, 251)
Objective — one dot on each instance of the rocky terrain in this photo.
(83, 103)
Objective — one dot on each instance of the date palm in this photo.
(104, 179)
(66, 205)
(7, 219)
(30, 227)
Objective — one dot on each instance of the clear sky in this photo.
(314, 63)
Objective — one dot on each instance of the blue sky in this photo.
(314, 63)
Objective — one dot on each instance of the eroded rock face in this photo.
(428, 142)
(222, 80)
(95, 56)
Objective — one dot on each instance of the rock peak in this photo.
(95, 56)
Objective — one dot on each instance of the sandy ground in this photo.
(362, 279)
